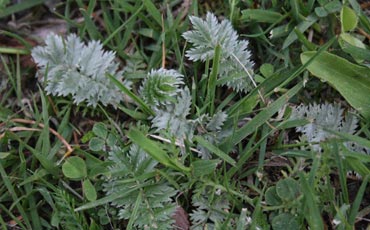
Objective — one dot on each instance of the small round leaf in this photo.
(288, 189)
(348, 18)
(100, 130)
(96, 144)
(267, 69)
(74, 168)
(272, 197)
(89, 190)
(285, 221)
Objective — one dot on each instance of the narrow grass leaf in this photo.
(13, 194)
(107, 199)
(259, 119)
(135, 210)
(332, 147)
(19, 7)
(358, 200)
(88, 21)
(294, 4)
(154, 150)
(259, 15)
(211, 88)
(357, 166)
(131, 95)
(362, 141)
(313, 216)
(153, 11)
(214, 150)
(302, 26)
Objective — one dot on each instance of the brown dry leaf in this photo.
(181, 219)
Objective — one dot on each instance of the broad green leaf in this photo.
(354, 47)
(288, 189)
(352, 81)
(352, 40)
(348, 19)
(89, 190)
(100, 130)
(74, 168)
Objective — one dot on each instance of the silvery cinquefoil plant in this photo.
(236, 68)
(153, 199)
(70, 67)
(164, 92)
(329, 116)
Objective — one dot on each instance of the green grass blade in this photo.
(155, 151)
(153, 11)
(313, 216)
(214, 150)
(259, 119)
(19, 7)
(131, 95)
(120, 28)
(107, 199)
(13, 194)
(211, 88)
(12, 216)
(134, 211)
(333, 148)
(7, 50)
(356, 204)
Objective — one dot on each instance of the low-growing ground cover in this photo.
(184, 114)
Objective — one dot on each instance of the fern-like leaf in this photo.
(330, 116)
(212, 131)
(163, 90)
(210, 205)
(74, 68)
(68, 218)
(173, 117)
(134, 172)
(236, 68)
(160, 86)
(323, 116)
